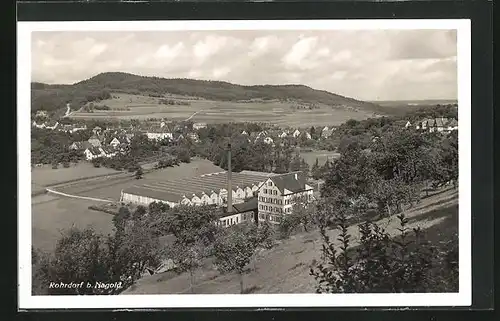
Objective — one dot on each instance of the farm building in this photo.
(204, 189)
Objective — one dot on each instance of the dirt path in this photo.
(285, 268)
(194, 114)
(79, 197)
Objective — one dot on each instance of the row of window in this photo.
(269, 217)
(274, 209)
(270, 191)
(228, 222)
(234, 220)
(271, 200)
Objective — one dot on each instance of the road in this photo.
(194, 114)
(80, 197)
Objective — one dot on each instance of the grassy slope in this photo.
(285, 269)
(210, 90)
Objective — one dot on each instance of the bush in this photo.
(382, 264)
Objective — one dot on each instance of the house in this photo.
(244, 133)
(279, 193)
(296, 133)
(94, 152)
(264, 139)
(194, 137)
(452, 125)
(108, 152)
(52, 125)
(408, 124)
(439, 125)
(199, 125)
(38, 125)
(305, 135)
(41, 114)
(80, 145)
(94, 141)
(129, 137)
(97, 130)
(76, 128)
(326, 132)
(283, 134)
(114, 142)
(159, 132)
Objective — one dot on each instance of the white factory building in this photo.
(200, 190)
(270, 195)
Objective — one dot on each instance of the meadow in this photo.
(45, 176)
(50, 217)
(51, 213)
(126, 106)
(321, 155)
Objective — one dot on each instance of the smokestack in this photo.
(229, 180)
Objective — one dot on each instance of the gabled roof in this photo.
(94, 150)
(290, 182)
(440, 122)
(452, 122)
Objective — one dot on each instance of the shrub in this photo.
(381, 264)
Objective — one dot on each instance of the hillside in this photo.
(285, 268)
(53, 97)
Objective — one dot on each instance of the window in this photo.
(236, 220)
(265, 190)
(275, 192)
(270, 183)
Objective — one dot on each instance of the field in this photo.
(321, 155)
(285, 268)
(126, 106)
(51, 216)
(51, 213)
(42, 177)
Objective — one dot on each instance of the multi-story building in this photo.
(278, 195)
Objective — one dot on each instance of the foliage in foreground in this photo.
(382, 264)
(96, 261)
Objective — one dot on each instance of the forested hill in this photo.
(81, 92)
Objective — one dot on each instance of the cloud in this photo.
(363, 64)
(298, 54)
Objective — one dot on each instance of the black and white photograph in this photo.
(248, 163)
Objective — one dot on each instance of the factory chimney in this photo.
(229, 180)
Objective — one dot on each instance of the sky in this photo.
(363, 64)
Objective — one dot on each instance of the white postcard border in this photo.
(28, 301)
